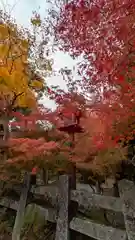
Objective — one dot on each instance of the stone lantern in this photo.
(70, 123)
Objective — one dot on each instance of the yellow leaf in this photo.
(37, 84)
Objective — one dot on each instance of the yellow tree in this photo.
(19, 82)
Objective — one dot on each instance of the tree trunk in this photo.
(98, 187)
(45, 176)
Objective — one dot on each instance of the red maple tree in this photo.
(103, 32)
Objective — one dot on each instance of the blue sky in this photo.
(22, 10)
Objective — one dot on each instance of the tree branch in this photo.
(15, 98)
